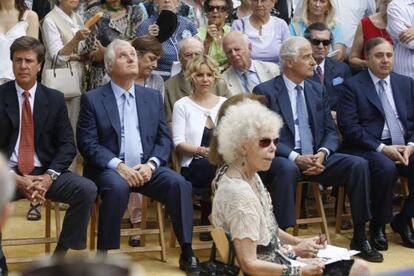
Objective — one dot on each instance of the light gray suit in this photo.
(265, 72)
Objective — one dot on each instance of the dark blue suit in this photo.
(335, 73)
(361, 120)
(340, 169)
(99, 139)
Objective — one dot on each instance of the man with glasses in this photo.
(327, 71)
(308, 144)
(178, 86)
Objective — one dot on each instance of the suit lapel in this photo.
(12, 110)
(110, 105)
(40, 111)
(285, 105)
(235, 80)
(329, 72)
(143, 112)
(184, 84)
(370, 92)
(399, 101)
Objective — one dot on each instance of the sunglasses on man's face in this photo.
(265, 142)
(212, 8)
(317, 42)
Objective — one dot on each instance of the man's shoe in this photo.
(205, 236)
(3, 266)
(366, 251)
(378, 238)
(134, 241)
(404, 228)
(189, 264)
(346, 224)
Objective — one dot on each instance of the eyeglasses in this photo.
(211, 8)
(265, 142)
(256, 2)
(317, 42)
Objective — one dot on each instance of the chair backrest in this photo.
(222, 244)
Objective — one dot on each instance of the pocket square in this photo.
(337, 80)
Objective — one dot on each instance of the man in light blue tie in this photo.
(124, 139)
(308, 144)
(376, 118)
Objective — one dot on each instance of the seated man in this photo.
(37, 138)
(327, 71)
(308, 142)
(178, 86)
(376, 118)
(123, 136)
(244, 73)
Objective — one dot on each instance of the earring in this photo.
(243, 160)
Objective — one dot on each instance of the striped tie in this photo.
(305, 133)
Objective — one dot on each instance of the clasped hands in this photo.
(34, 187)
(136, 176)
(400, 154)
(309, 248)
(311, 164)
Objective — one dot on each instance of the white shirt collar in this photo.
(119, 91)
(322, 65)
(20, 90)
(375, 79)
(70, 19)
(290, 85)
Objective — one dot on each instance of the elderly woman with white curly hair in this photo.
(245, 143)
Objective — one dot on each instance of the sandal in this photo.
(34, 212)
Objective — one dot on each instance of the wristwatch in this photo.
(152, 165)
(53, 175)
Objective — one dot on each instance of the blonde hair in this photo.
(194, 66)
(329, 16)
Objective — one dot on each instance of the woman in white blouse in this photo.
(63, 32)
(193, 121)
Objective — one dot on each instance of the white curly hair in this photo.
(244, 122)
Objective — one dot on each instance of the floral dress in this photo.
(105, 31)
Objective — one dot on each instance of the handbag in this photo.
(213, 267)
(66, 80)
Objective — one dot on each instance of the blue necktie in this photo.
(132, 154)
(305, 133)
(245, 81)
(397, 136)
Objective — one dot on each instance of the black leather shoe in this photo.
(205, 236)
(134, 241)
(3, 266)
(346, 224)
(366, 251)
(404, 228)
(378, 238)
(189, 264)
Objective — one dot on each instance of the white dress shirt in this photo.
(15, 155)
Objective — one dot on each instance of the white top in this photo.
(6, 40)
(20, 97)
(400, 18)
(188, 122)
(242, 212)
(51, 35)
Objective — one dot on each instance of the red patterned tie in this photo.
(25, 162)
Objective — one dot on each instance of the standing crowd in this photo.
(244, 99)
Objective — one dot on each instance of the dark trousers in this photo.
(165, 186)
(384, 173)
(340, 170)
(80, 193)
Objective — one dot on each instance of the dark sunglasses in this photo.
(211, 8)
(317, 42)
(265, 142)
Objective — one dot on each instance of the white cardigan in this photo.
(188, 122)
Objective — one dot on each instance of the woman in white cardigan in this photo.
(193, 122)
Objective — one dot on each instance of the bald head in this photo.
(189, 48)
(238, 49)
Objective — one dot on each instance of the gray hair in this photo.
(110, 53)
(241, 123)
(183, 43)
(244, 36)
(7, 184)
(290, 49)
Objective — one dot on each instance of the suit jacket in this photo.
(265, 71)
(53, 134)
(320, 120)
(360, 115)
(178, 87)
(335, 73)
(99, 128)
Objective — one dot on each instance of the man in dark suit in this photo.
(376, 118)
(37, 138)
(327, 71)
(308, 144)
(123, 136)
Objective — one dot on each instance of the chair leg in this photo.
(57, 219)
(321, 210)
(298, 204)
(92, 228)
(144, 217)
(47, 225)
(172, 237)
(160, 220)
(339, 209)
